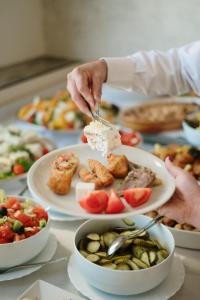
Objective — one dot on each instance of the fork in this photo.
(29, 265)
(96, 117)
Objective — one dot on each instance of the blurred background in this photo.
(88, 29)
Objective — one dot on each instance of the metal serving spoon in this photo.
(118, 242)
(29, 265)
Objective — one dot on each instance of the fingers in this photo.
(175, 209)
(96, 89)
(77, 98)
(173, 170)
(82, 84)
(78, 86)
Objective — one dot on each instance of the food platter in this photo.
(40, 171)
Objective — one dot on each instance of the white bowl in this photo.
(19, 252)
(192, 134)
(124, 282)
(185, 238)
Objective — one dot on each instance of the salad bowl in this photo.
(24, 231)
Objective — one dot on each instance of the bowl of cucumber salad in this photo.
(144, 259)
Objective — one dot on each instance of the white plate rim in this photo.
(86, 215)
(51, 243)
(177, 260)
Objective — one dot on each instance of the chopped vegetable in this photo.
(137, 196)
(139, 253)
(18, 219)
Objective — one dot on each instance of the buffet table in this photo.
(64, 232)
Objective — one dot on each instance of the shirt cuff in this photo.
(119, 69)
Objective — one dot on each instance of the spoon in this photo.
(29, 265)
(118, 242)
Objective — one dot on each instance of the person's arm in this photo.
(174, 72)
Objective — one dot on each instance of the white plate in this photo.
(185, 238)
(44, 291)
(40, 171)
(14, 179)
(46, 254)
(164, 291)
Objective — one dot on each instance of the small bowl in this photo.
(128, 282)
(19, 252)
(192, 134)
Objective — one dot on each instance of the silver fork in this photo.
(95, 116)
(29, 265)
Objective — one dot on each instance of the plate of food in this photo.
(162, 114)
(185, 235)
(19, 149)
(79, 181)
(186, 157)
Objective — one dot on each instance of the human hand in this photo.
(184, 206)
(85, 82)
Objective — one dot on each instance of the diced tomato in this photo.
(130, 138)
(30, 119)
(3, 241)
(24, 219)
(115, 204)
(137, 196)
(45, 150)
(69, 125)
(32, 232)
(83, 138)
(96, 202)
(40, 213)
(18, 169)
(13, 203)
(6, 232)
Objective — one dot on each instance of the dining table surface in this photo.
(64, 231)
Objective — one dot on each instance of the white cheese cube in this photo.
(83, 189)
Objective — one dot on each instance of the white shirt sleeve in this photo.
(174, 72)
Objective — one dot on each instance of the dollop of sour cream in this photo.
(102, 138)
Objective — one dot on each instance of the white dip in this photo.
(102, 138)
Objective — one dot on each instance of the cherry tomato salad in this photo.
(19, 219)
(19, 149)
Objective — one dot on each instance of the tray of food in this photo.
(19, 149)
(78, 181)
(164, 114)
(185, 235)
(60, 114)
(186, 157)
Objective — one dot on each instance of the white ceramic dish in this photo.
(43, 290)
(46, 254)
(120, 282)
(185, 238)
(19, 252)
(40, 171)
(164, 291)
(12, 180)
